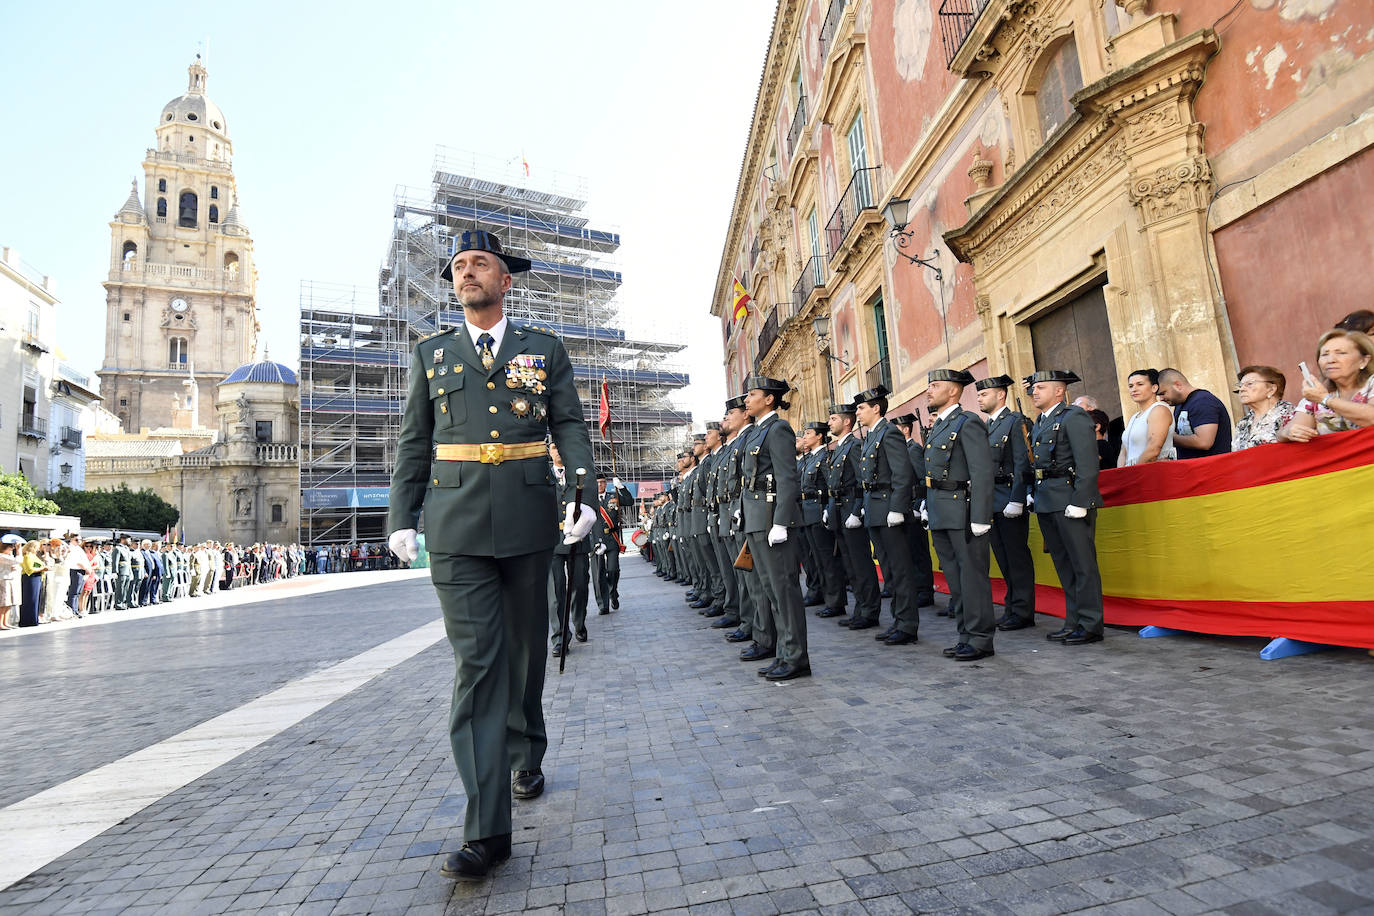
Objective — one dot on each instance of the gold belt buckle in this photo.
(1039, 474)
(929, 483)
(493, 452)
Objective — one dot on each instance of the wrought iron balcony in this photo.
(769, 334)
(957, 18)
(880, 373)
(71, 438)
(858, 196)
(812, 276)
(798, 122)
(33, 427)
(832, 23)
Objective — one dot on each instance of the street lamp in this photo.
(821, 326)
(897, 214)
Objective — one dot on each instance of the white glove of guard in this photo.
(576, 530)
(736, 518)
(853, 522)
(1030, 501)
(615, 482)
(404, 544)
(1013, 510)
(825, 516)
(600, 549)
(894, 519)
(1075, 512)
(925, 516)
(776, 535)
(978, 529)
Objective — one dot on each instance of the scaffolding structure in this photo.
(354, 362)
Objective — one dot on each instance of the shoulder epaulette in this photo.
(432, 336)
(540, 328)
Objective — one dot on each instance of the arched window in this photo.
(1061, 79)
(176, 353)
(129, 254)
(186, 214)
(231, 265)
(214, 213)
(162, 185)
(162, 207)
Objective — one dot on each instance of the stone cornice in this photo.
(785, 23)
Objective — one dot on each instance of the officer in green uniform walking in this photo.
(471, 453)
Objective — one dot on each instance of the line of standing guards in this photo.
(755, 505)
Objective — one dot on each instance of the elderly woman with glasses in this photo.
(1344, 399)
(1261, 393)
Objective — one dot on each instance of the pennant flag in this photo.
(603, 415)
(526, 163)
(742, 299)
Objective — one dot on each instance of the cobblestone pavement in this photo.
(1178, 775)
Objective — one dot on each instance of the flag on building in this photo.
(603, 414)
(742, 299)
(526, 163)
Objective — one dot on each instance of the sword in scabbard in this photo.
(566, 611)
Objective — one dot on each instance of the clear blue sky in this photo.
(331, 107)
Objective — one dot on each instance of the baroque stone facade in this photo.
(1099, 186)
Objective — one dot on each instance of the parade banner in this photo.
(1267, 542)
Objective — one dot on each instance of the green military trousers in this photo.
(496, 617)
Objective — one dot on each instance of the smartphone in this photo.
(1307, 374)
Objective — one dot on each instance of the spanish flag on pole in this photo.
(742, 299)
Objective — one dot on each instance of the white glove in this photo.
(852, 522)
(736, 517)
(615, 482)
(825, 516)
(404, 544)
(894, 519)
(600, 549)
(1013, 510)
(978, 529)
(1075, 512)
(576, 530)
(925, 516)
(777, 535)
(1030, 500)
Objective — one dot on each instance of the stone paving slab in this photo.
(1174, 775)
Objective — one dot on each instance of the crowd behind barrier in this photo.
(56, 579)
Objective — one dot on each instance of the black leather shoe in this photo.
(786, 671)
(951, 651)
(1060, 634)
(557, 650)
(615, 601)
(830, 612)
(603, 613)
(863, 623)
(715, 611)
(1015, 623)
(886, 633)
(527, 784)
(737, 636)
(813, 600)
(846, 621)
(766, 669)
(967, 653)
(700, 605)
(476, 858)
(581, 634)
(1081, 637)
(925, 601)
(724, 622)
(899, 638)
(756, 653)
(689, 596)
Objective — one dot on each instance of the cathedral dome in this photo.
(264, 371)
(195, 108)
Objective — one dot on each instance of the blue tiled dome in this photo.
(265, 371)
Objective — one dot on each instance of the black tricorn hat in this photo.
(735, 403)
(1067, 376)
(713, 424)
(698, 437)
(997, 381)
(957, 376)
(844, 408)
(764, 383)
(871, 394)
(477, 240)
(905, 419)
(818, 426)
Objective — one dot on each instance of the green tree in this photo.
(141, 510)
(18, 495)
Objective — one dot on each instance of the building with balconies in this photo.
(28, 365)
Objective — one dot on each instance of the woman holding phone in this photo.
(1344, 400)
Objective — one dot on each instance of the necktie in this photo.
(484, 343)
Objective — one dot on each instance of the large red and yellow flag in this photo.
(742, 298)
(1266, 542)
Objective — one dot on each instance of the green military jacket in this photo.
(1064, 455)
(472, 508)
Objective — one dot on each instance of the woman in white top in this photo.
(1149, 434)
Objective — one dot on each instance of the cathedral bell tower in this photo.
(182, 286)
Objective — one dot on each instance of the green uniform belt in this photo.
(488, 452)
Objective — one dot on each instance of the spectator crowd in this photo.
(55, 579)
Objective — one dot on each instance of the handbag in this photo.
(745, 559)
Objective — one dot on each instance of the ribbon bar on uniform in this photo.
(488, 452)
